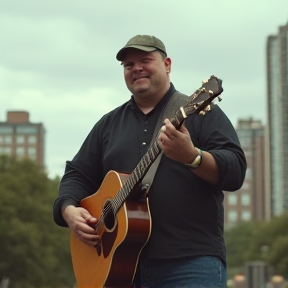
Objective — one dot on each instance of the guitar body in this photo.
(113, 263)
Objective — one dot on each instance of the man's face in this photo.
(146, 73)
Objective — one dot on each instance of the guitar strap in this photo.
(168, 111)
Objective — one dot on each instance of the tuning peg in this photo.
(211, 92)
(202, 113)
(205, 81)
(219, 98)
(207, 108)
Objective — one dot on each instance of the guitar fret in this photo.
(193, 105)
(147, 161)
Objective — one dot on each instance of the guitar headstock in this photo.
(200, 100)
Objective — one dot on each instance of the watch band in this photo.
(197, 161)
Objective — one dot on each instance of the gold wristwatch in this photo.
(196, 162)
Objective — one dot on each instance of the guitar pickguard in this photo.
(108, 240)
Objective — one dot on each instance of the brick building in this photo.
(249, 203)
(20, 137)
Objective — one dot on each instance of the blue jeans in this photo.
(198, 272)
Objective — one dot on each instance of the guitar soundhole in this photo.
(109, 216)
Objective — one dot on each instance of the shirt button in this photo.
(145, 130)
(143, 143)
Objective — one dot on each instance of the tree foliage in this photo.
(264, 241)
(237, 240)
(34, 252)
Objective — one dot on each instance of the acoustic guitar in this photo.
(122, 209)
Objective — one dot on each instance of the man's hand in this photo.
(177, 144)
(81, 222)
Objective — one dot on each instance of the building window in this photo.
(5, 150)
(232, 199)
(232, 216)
(245, 141)
(26, 129)
(245, 199)
(20, 151)
(32, 153)
(6, 130)
(246, 215)
(245, 185)
(20, 139)
(247, 152)
(7, 139)
(32, 139)
(248, 173)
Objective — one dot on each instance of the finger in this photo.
(170, 131)
(87, 216)
(183, 129)
(163, 129)
(160, 143)
(89, 237)
(89, 219)
(91, 241)
(87, 229)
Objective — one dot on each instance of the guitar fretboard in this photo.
(197, 102)
(136, 176)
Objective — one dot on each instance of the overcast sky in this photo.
(57, 58)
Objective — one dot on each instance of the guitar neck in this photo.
(144, 165)
(198, 102)
(137, 175)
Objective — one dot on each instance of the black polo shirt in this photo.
(187, 212)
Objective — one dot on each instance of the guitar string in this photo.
(139, 170)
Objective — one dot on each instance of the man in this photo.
(186, 246)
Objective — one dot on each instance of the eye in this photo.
(127, 65)
(146, 60)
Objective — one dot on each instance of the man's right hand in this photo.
(81, 222)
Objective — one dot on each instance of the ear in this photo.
(167, 63)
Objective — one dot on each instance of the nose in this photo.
(138, 66)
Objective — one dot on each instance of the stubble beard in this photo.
(142, 89)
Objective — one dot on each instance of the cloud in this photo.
(57, 58)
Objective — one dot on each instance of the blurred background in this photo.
(59, 75)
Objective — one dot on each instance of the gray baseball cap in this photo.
(143, 42)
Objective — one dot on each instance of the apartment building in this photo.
(249, 203)
(277, 124)
(20, 137)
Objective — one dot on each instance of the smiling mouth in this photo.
(140, 78)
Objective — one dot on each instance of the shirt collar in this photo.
(161, 103)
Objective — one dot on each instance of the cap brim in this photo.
(120, 55)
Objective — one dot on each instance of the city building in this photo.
(248, 203)
(277, 124)
(19, 137)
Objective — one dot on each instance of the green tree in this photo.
(278, 256)
(238, 240)
(264, 241)
(269, 244)
(34, 252)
